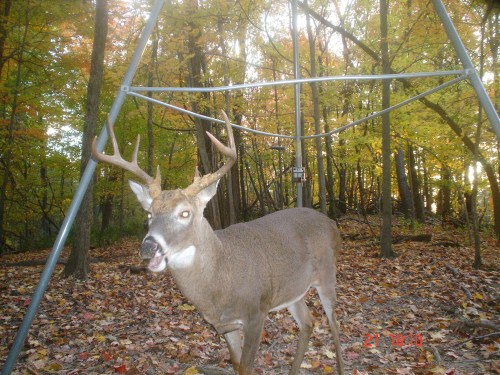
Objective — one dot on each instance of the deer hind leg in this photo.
(233, 340)
(302, 316)
(328, 297)
(252, 333)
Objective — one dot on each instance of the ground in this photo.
(425, 312)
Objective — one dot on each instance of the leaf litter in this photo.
(425, 312)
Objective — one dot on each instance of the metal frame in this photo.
(126, 89)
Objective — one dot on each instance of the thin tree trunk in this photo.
(475, 219)
(418, 203)
(5, 7)
(361, 188)
(386, 231)
(151, 70)
(45, 224)
(342, 171)
(306, 185)
(78, 262)
(405, 194)
(428, 194)
(316, 116)
(444, 195)
(279, 185)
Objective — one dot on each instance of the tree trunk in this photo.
(11, 120)
(361, 188)
(78, 263)
(418, 203)
(385, 233)
(316, 116)
(406, 205)
(197, 65)
(342, 171)
(45, 224)
(330, 182)
(151, 70)
(306, 185)
(4, 17)
(475, 220)
(428, 194)
(106, 211)
(444, 195)
(279, 174)
(329, 153)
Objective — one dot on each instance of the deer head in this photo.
(173, 215)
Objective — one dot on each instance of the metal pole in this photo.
(298, 128)
(483, 97)
(242, 86)
(75, 204)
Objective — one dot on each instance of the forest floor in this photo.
(425, 312)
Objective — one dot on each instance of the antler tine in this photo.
(117, 160)
(229, 151)
(111, 132)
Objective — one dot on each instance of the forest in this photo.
(438, 157)
(45, 69)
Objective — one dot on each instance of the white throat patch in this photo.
(183, 258)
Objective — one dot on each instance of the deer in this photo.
(237, 275)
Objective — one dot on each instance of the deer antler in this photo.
(229, 151)
(116, 159)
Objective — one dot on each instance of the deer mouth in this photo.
(157, 263)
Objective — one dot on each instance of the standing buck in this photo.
(237, 275)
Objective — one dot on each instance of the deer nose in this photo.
(149, 247)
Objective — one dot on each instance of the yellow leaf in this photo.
(327, 370)
(52, 368)
(100, 338)
(191, 371)
(185, 307)
(478, 296)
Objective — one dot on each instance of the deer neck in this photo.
(203, 269)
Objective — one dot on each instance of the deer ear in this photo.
(207, 193)
(142, 194)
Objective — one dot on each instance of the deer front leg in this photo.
(233, 340)
(302, 316)
(252, 333)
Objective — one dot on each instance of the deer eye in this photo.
(185, 214)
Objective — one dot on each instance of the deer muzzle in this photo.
(152, 250)
(149, 248)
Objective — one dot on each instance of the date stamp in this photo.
(395, 339)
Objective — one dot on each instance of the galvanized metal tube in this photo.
(243, 86)
(296, 71)
(483, 97)
(203, 117)
(259, 132)
(391, 108)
